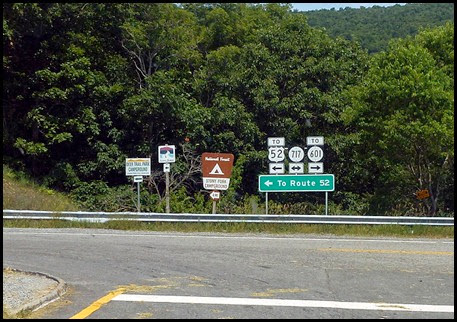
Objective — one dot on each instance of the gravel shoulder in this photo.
(29, 291)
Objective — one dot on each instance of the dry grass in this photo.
(21, 193)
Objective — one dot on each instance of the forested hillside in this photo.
(375, 26)
(87, 85)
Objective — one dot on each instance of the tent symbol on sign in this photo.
(217, 170)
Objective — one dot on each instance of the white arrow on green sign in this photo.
(296, 183)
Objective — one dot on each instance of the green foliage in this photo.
(22, 192)
(88, 84)
(374, 27)
(404, 113)
(181, 202)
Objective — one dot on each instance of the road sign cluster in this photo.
(276, 154)
(139, 167)
(296, 181)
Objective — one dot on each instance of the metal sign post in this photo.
(326, 203)
(138, 188)
(166, 169)
(167, 192)
(315, 154)
(138, 179)
(266, 203)
(167, 155)
(276, 154)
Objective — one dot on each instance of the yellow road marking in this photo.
(170, 282)
(385, 251)
(97, 304)
(271, 292)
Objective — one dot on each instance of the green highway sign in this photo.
(296, 183)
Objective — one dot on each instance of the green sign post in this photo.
(296, 183)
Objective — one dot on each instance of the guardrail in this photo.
(248, 218)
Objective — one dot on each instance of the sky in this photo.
(324, 5)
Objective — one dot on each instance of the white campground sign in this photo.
(138, 166)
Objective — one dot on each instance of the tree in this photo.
(185, 173)
(159, 37)
(404, 112)
(64, 78)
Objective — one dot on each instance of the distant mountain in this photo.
(373, 27)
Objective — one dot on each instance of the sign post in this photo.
(276, 156)
(266, 203)
(166, 155)
(138, 167)
(215, 196)
(315, 154)
(138, 179)
(326, 203)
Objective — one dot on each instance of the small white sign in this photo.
(296, 154)
(316, 167)
(167, 153)
(276, 154)
(314, 140)
(276, 141)
(296, 167)
(210, 183)
(166, 167)
(138, 179)
(215, 195)
(138, 166)
(315, 154)
(276, 168)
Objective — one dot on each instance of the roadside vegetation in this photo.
(19, 192)
(87, 85)
(374, 27)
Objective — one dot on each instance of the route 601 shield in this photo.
(315, 154)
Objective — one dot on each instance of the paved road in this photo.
(119, 274)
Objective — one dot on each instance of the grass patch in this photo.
(325, 229)
(22, 193)
(20, 315)
(7, 314)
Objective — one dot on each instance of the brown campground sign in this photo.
(217, 169)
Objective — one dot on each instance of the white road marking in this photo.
(229, 237)
(279, 302)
